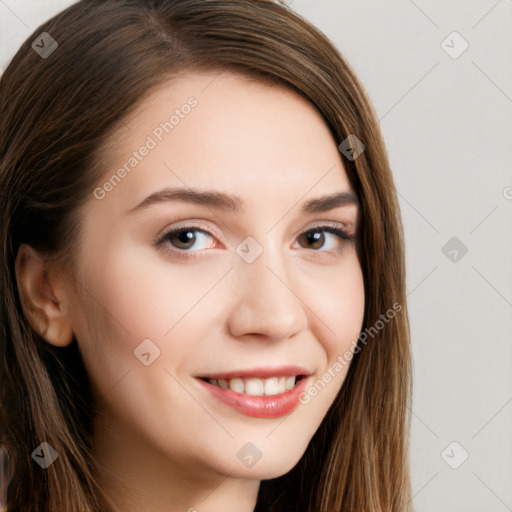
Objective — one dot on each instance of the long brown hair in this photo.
(56, 114)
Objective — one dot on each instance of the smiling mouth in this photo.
(255, 386)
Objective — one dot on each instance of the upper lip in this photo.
(260, 372)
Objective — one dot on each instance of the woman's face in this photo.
(239, 293)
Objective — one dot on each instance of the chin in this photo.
(269, 466)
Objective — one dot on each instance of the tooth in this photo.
(290, 383)
(254, 387)
(272, 386)
(236, 385)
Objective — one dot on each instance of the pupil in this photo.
(315, 237)
(185, 236)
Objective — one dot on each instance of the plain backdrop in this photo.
(445, 113)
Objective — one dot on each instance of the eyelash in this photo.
(183, 253)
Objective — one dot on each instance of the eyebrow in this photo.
(233, 203)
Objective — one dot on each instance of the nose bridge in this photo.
(266, 300)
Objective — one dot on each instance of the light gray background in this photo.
(447, 126)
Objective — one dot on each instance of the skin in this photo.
(161, 441)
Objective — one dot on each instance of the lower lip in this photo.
(268, 406)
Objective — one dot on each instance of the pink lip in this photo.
(271, 406)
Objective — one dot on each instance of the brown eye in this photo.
(190, 239)
(312, 239)
(317, 238)
(182, 239)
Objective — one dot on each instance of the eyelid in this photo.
(193, 225)
(329, 223)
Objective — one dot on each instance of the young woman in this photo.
(203, 291)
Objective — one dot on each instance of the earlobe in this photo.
(59, 334)
(42, 298)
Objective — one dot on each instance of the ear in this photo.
(43, 297)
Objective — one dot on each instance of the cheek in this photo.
(151, 295)
(338, 302)
(135, 336)
(133, 297)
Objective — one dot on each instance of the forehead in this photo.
(223, 131)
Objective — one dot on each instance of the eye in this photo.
(188, 238)
(318, 237)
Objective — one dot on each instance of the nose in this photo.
(267, 303)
